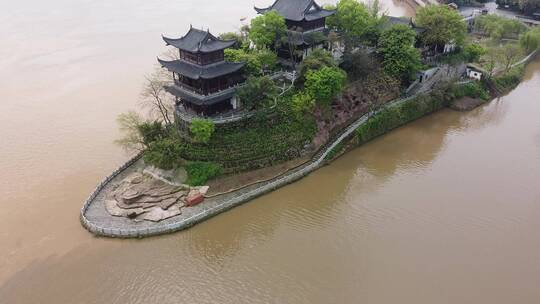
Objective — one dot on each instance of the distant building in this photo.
(390, 21)
(204, 82)
(474, 72)
(425, 75)
(306, 26)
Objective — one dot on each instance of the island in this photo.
(235, 115)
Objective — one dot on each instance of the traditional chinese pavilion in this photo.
(306, 24)
(203, 81)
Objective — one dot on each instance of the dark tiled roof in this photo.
(391, 21)
(197, 99)
(307, 38)
(297, 10)
(198, 41)
(194, 71)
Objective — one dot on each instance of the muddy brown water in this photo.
(443, 210)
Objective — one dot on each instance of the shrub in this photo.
(257, 92)
(164, 153)
(316, 60)
(202, 129)
(302, 102)
(200, 172)
(473, 89)
(324, 84)
(151, 131)
(473, 52)
(395, 116)
(530, 40)
(509, 79)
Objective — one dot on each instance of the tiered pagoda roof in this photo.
(199, 41)
(297, 10)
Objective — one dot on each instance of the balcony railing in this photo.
(188, 115)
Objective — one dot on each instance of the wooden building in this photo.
(203, 81)
(306, 26)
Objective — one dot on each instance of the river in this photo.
(443, 210)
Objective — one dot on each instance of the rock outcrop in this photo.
(141, 197)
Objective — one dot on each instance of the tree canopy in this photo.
(473, 52)
(498, 27)
(530, 40)
(442, 25)
(257, 92)
(317, 59)
(267, 29)
(202, 129)
(354, 20)
(324, 84)
(400, 59)
(257, 61)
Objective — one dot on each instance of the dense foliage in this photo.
(395, 116)
(257, 92)
(202, 129)
(267, 29)
(358, 64)
(498, 27)
(400, 58)
(530, 40)
(164, 153)
(508, 80)
(472, 89)
(258, 62)
(317, 59)
(473, 52)
(442, 25)
(200, 172)
(355, 23)
(324, 84)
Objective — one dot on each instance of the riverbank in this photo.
(95, 218)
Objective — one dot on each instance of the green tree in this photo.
(302, 102)
(151, 131)
(324, 84)
(509, 54)
(202, 129)
(266, 30)
(442, 25)
(317, 59)
(164, 153)
(530, 40)
(358, 64)
(400, 59)
(473, 52)
(129, 126)
(353, 20)
(257, 92)
(257, 61)
(498, 27)
(233, 36)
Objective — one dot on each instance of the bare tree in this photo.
(509, 53)
(159, 103)
(492, 56)
(132, 139)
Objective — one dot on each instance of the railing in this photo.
(188, 116)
